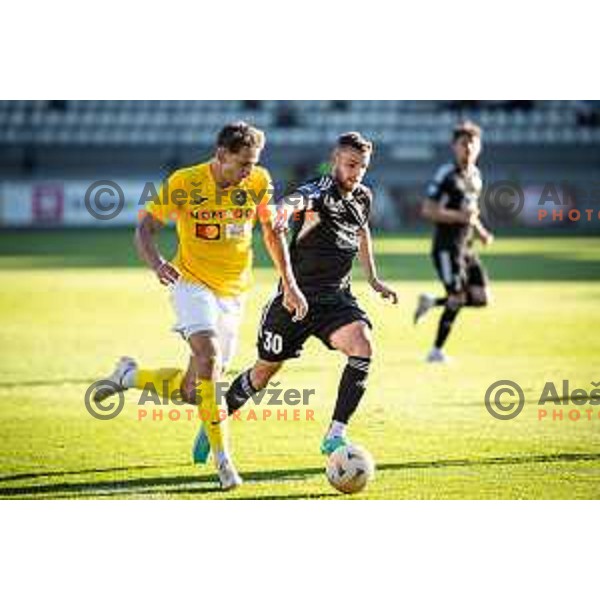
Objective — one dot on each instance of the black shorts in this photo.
(280, 338)
(459, 271)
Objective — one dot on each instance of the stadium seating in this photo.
(184, 123)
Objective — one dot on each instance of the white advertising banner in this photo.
(102, 203)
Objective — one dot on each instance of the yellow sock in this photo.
(209, 413)
(163, 380)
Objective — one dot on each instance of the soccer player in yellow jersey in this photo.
(215, 205)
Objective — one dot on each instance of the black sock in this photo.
(446, 321)
(351, 388)
(440, 301)
(240, 391)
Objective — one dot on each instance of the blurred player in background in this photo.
(332, 229)
(452, 205)
(215, 205)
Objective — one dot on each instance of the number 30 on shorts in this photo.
(273, 342)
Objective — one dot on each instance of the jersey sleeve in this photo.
(437, 187)
(368, 205)
(309, 195)
(169, 200)
(303, 198)
(309, 191)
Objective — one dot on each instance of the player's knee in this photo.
(363, 348)
(479, 298)
(262, 373)
(360, 345)
(353, 340)
(456, 301)
(205, 354)
(206, 363)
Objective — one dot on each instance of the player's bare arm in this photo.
(435, 213)
(367, 261)
(294, 300)
(147, 249)
(484, 234)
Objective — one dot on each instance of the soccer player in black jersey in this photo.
(452, 206)
(329, 229)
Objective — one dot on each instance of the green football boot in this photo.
(201, 449)
(330, 444)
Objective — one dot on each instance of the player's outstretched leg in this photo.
(166, 383)
(354, 340)
(127, 375)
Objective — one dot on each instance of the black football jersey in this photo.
(325, 234)
(456, 189)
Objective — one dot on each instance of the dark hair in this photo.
(356, 141)
(466, 129)
(238, 135)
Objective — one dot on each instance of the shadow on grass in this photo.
(41, 474)
(45, 383)
(204, 484)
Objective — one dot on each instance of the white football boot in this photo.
(123, 368)
(424, 305)
(228, 476)
(437, 356)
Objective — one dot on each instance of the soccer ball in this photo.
(350, 468)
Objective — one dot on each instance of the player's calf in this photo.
(354, 340)
(453, 305)
(249, 383)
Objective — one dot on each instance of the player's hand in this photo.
(487, 238)
(386, 292)
(295, 302)
(167, 274)
(281, 222)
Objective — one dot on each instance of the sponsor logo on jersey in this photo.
(222, 215)
(208, 231)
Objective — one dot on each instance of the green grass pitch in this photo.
(72, 302)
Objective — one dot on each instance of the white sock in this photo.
(336, 429)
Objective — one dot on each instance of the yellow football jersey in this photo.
(214, 225)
